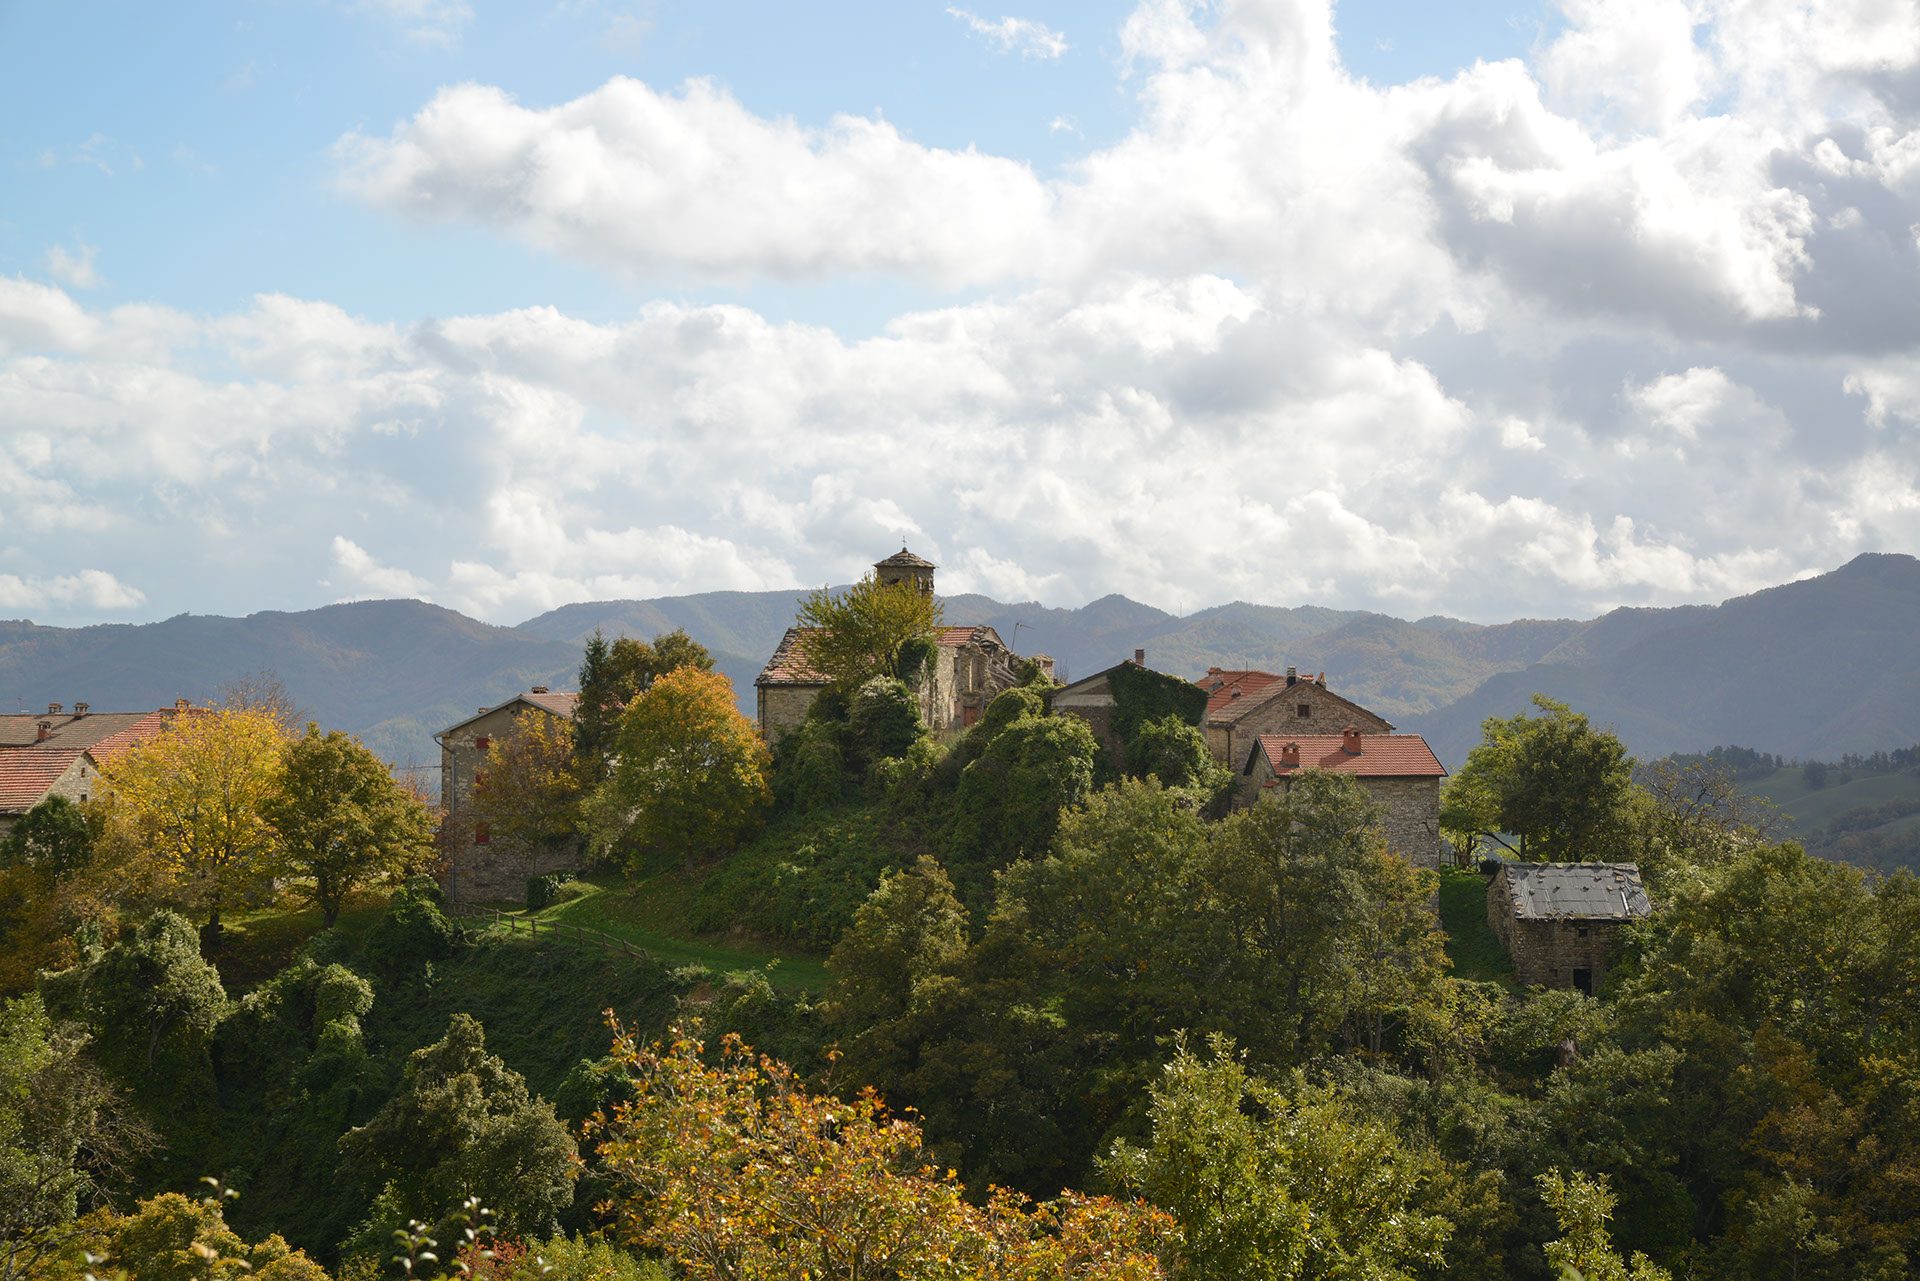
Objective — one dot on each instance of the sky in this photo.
(1490, 310)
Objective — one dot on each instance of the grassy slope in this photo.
(650, 914)
(1471, 945)
(1811, 809)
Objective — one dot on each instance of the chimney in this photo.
(1290, 755)
(539, 689)
(1140, 657)
(1293, 674)
(1321, 680)
(44, 731)
(1213, 671)
(1350, 740)
(180, 704)
(53, 709)
(79, 710)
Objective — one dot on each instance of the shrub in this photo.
(809, 768)
(885, 719)
(802, 879)
(545, 891)
(411, 933)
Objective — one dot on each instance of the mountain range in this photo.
(1817, 667)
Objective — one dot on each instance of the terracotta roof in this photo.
(1226, 688)
(27, 772)
(1380, 755)
(789, 664)
(21, 729)
(905, 559)
(1239, 707)
(1577, 891)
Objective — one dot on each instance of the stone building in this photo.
(480, 869)
(1093, 699)
(59, 753)
(1398, 771)
(1243, 705)
(970, 665)
(1560, 921)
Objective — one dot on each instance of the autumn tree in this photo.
(612, 674)
(1584, 1249)
(341, 820)
(529, 792)
(191, 803)
(866, 630)
(690, 771)
(736, 1173)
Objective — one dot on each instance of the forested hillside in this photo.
(1813, 668)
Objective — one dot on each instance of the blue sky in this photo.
(1481, 309)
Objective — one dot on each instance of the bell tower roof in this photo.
(904, 559)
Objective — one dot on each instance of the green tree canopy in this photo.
(865, 630)
(612, 674)
(343, 821)
(1560, 786)
(464, 1124)
(52, 839)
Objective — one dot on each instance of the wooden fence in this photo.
(534, 927)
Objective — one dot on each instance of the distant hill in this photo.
(1819, 667)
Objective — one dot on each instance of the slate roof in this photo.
(1577, 891)
(904, 559)
(1380, 755)
(1239, 707)
(21, 729)
(559, 703)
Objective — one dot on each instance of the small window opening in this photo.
(1303, 710)
(482, 743)
(1583, 981)
(481, 834)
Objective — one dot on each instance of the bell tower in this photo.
(904, 567)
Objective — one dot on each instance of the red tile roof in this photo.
(21, 729)
(789, 664)
(1228, 688)
(1380, 755)
(27, 772)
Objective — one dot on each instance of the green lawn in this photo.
(649, 914)
(1471, 945)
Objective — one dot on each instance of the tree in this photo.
(530, 792)
(1559, 785)
(737, 1173)
(464, 1124)
(341, 820)
(1270, 1187)
(172, 1238)
(191, 802)
(884, 720)
(61, 1134)
(1584, 1252)
(690, 772)
(865, 630)
(1011, 794)
(52, 839)
(1175, 752)
(612, 675)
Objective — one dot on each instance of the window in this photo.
(1582, 931)
(482, 743)
(1583, 981)
(481, 834)
(1303, 709)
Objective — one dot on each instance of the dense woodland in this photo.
(1077, 1022)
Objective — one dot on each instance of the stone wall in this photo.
(1547, 952)
(1277, 710)
(493, 870)
(1093, 704)
(1410, 809)
(783, 707)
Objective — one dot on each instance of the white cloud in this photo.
(1024, 36)
(74, 267)
(92, 589)
(437, 23)
(364, 577)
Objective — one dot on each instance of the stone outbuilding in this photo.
(1398, 771)
(480, 869)
(970, 665)
(1096, 700)
(1243, 705)
(60, 752)
(1560, 921)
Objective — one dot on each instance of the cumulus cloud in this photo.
(74, 266)
(92, 589)
(1024, 36)
(365, 578)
